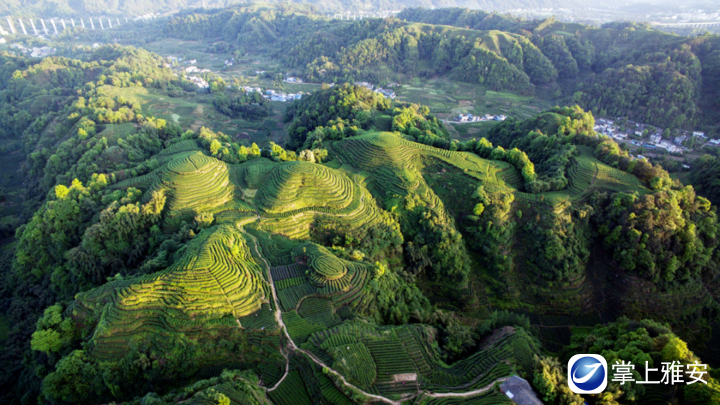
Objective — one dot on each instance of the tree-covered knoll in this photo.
(332, 114)
(645, 344)
(705, 177)
(346, 110)
(668, 235)
(548, 140)
(234, 102)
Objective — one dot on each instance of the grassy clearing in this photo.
(196, 110)
(447, 98)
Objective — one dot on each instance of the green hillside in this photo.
(167, 243)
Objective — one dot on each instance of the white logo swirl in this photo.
(589, 375)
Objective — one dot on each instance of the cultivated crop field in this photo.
(212, 285)
(448, 98)
(399, 360)
(276, 204)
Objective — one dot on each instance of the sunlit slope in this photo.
(193, 182)
(213, 283)
(301, 185)
(292, 195)
(286, 197)
(392, 164)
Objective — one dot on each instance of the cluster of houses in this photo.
(479, 118)
(199, 81)
(34, 51)
(248, 89)
(145, 17)
(273, 95)
(701, 135)
(194, 69)
(292, 79)
(385, 92)
(638, 130)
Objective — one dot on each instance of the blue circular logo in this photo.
(588, 373)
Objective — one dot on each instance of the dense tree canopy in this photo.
(334, 113)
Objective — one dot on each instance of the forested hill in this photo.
(621, 69)
(163, 262)
(618, 70)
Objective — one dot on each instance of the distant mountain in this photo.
(68, 8)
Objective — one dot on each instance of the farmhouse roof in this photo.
(519, 391)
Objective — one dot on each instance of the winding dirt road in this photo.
(294, 348)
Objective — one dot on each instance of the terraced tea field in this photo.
(254, 271)
(588, 173)
(291, 392)
(214, 283)
(390, 163)
(295, 186)
(400, 360)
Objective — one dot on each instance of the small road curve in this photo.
(466, 393)
(291, 343)
(278, 313)
(294, 348)
(285, 374)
